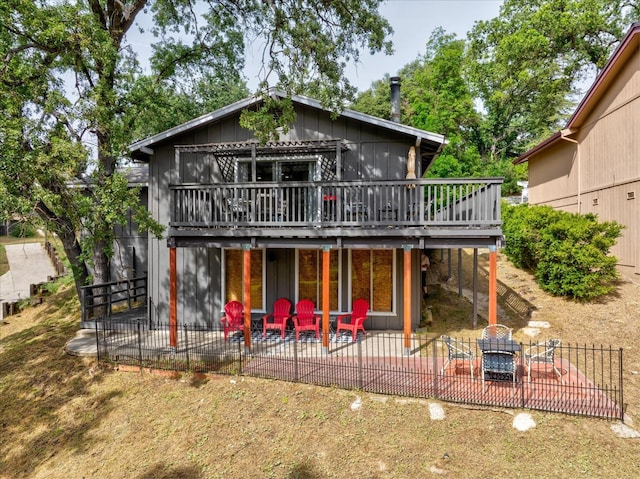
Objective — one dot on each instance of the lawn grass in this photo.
(67, 417)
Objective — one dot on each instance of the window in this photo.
(293, 169)
(372, 278)
(310, 277)
(232, 273)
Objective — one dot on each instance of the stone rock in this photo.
(625, 432)
(523, 422)
(436, 411)
(539, 324)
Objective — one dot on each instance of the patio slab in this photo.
(84, 344)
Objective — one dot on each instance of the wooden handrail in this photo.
(401, 203)
(103, 297)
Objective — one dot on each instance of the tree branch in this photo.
(96, 8)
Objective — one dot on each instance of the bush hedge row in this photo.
(568, 252)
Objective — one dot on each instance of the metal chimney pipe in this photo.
(394, 83)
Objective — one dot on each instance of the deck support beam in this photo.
(326, 258)
(173, 299)
(407, 299)
(246, 295)
(493, 285)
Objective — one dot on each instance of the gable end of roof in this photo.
(143, 147)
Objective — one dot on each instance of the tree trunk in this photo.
(63, 227)
(74, 254)
(101, 266)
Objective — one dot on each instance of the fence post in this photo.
(129, 294)
(620, 370)
(296, 373)
(360, 380)
(83, 304)
(186, 344)
(109, 293)
(434, 359)
(97, 341)
(139, 344)
(521, 361)
(240, 357)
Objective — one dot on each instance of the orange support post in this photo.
(407, 300)
(493, 285)
(246, 294)
(326, 306)
(173, 300)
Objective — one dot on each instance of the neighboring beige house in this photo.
(593, 165)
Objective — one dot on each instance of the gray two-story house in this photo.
(335, 201)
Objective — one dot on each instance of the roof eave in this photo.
(142, 147)
(631, 39)
(552, 140)
(600, 84)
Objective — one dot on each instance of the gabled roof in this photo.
(627, 47)
(430, 144)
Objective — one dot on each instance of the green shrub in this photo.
(522, 226)
(569, 253)
(22, 230)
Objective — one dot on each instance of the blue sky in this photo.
(413, 21)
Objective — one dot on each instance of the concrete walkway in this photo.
(28, 264)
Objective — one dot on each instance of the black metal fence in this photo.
(579, 379)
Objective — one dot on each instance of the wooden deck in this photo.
(396, 213)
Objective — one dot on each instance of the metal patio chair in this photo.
(233, 319)
(542, 353)
(496, 331)
(457, 351)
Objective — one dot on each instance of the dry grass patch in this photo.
(65, 417)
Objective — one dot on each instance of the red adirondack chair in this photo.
(356, 318)
(305, 318)
(280, 315)
(233, 319)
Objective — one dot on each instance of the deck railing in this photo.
(435, 202)
(100, 300)
(589, 382)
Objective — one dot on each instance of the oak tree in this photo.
(74, 93)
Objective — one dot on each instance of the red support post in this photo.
(493, 285)
(246, 294)
(326, 258)
(407, 299)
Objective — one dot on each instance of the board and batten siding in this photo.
(553, 177)
(199, 270)
(602, 174)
